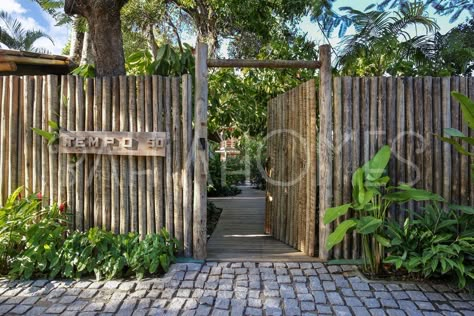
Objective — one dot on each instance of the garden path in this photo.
(240, 236)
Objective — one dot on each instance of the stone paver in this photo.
(236, 289)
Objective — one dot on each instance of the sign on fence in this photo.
(151, 144)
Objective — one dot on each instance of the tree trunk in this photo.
(103, 17)
(77, 39)
(87, 57)
(152, 41)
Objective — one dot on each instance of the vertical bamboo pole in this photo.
(177, 161)
(347, 166)
(115, 160)
(382, 112)
(446, 123)
(62, 163)
(456, 159)
(53, 116)
(373, 117)
(338, 145)
(419, 143)
(412, 103)
(401, 128)
(303, 163)
(277, 217)
(124, 161)
(438, 130)
(313, 167)
(268, 169)
(98, 221)
(133, 187)
(158, 161)
(142, 190)
(471, 134)
(325, 146)
(89, 208)
(356, 149)
(71, 125)
(106, 165)
(45, 147)
(284, 171)
(37, 140)
(201, 150)
(294, 169)
(28, 103)
(464, 165)
(428, 134)
(79, 126)
(150, 182)
(187, 118)
(169, 161)
(13, 135)
(4, 137)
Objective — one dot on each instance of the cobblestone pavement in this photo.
(236, 289)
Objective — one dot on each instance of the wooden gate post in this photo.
(325, 145)
(202, 155)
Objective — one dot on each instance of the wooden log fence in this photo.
(122, 194)
(357, 116)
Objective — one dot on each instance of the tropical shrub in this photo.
(35, 241)
(24, 222)
(372, 198)
(43, 239)
(435, 243)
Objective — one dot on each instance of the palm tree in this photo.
(383, 44)
(14, 36)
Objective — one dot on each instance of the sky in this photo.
(32, 16)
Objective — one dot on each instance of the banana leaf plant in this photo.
(372, 197)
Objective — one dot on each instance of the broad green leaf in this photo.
(54, 125)
(463, 208)
(467, 108)
(382, 240)
(368, 224)
(407, 193)
(376, 166)
(338, 235)
(334, 212)
(42, 133)
(459, 147)
(358, 189)
(452, 132)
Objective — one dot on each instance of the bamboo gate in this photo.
(363, 115)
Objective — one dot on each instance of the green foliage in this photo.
(253, 151)
(168, 62)
(238, 98)
(371, 199)
(14, 36)
(456, 137)
(152, 255)
(382, 43)
(85, 71)
(435, 243)
(221, 180)
(43, 240)
(17, 215)
(51, 136)
(35, 241)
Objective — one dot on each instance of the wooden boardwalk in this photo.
(240, 236)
